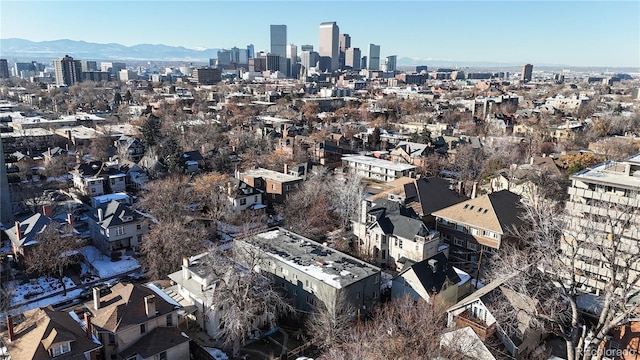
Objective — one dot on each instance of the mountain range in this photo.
(21, 49)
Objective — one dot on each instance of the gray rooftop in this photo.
(328, 265)
(624, 174)
(386, 164)
(271, 175)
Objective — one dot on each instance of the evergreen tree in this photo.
(150, 130)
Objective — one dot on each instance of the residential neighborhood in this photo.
(313, 205)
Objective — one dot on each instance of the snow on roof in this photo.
(75, 317)
(464, 277)
(163, 295)
(216, 353)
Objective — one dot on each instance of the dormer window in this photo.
(61, 349)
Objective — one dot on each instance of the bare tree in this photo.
(561, 255)
(331, 325)
(53, 252)
(246, 297)
(348, 195)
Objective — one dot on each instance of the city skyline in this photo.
(542, 33)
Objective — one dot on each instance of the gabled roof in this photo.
(395, 219)
(192, 156)
(432, 194)
(125, 307)
(156, 341)
(241, 188)
(497, 211)
(29, 229)
(431, 280)
(412, 149)
(114, 213)
(44, 328)
(89, 169)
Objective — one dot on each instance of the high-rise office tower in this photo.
(251, 51)
(4, 68)
(328, 45)
(363, 62)
(292, 59)
(89, 65)
(279, 40)
(390, 63)
(374, 57)
(527, 71)
(67, 71)
(352, 58)
(273, 62)
(308, 59)
(239, 56)
(306, 47)
(344, 43)
(224, 57)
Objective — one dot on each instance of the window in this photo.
(61, 349)
(375, 294)
(400, 244)
(162, 356)
(384, 240)
(120, 230)
(306, 283)
(143, 328)
(416, 247)
(383, 255)
(474, 231)
(112, 339)
(375, 279)
(243, 201)
(460, 228)
(295, 292)
(472, 246)
(169, 320)
(139, 238)
(93, 190)
(255, 199)
(273, 186)
(358, 295)
(458, 242)
(139, 227)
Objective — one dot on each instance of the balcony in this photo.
(479, 327)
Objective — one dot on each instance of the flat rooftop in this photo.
(367, 160)
(623, 174)
(328, 265)
(271, 175)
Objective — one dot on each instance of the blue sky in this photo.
(578, 33)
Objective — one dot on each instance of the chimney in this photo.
(87, 323)
(202, 150)
(96, 298)
(49, 151)
(100, 214)
(70, 219)
(186, 274)
(10, 327)
(286, 168)
(531, 160)
(18, 232)
(47, 210)
(433, 263)
(67, 146)
(233, 148)
(474, 190)
(150, 305)
(460, 188)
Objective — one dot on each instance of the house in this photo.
(23, 235)
(410, 153)
(136, 175)
(311, 274)
(97, 178)
(193, 160)
(518, 335)
(392, 235)
(130, 148)
(43, 333)
(427, 195)
(377, 169)
(478, 226)
(243, 196)
(115, 227)
(275, 185)
(432, 277)
(137, 322)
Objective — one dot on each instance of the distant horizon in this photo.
(405, 62)
(570, 33)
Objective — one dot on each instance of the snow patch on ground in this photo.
(103, 264)
(36, 288)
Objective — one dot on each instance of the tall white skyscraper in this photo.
(329, 43)
(279, 40)
(374, 57)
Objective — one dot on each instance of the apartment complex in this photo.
(603, 216)
(67, 71)
(312, 274)
(377, 169)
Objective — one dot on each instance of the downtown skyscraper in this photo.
(279, 40)
(328, 44)
(374, 57)
(67, 71)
